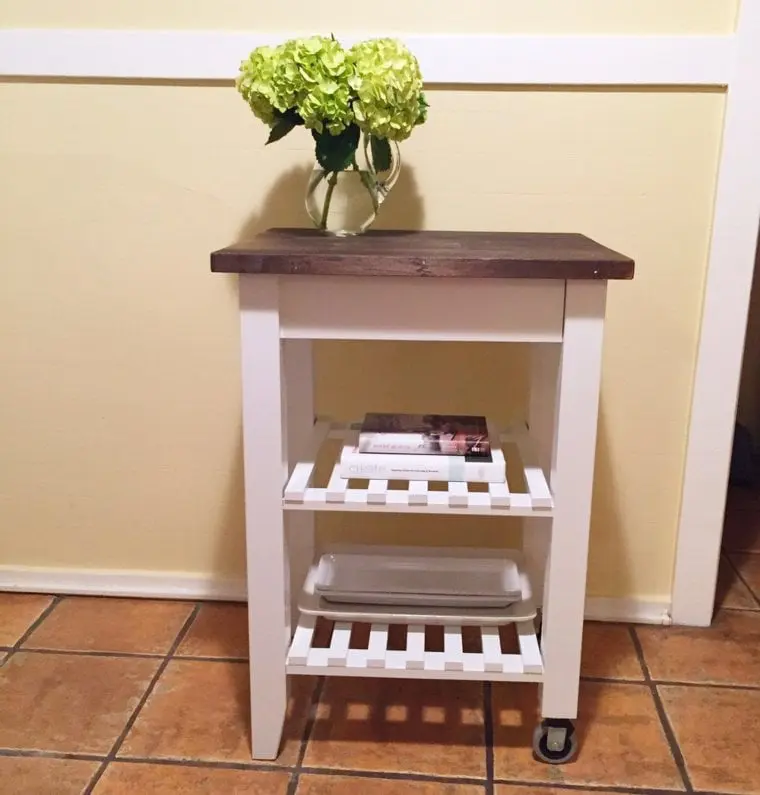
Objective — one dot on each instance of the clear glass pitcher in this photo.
(346, 202)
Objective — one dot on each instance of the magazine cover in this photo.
(425, 434)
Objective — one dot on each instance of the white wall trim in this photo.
(463, 59)
(115, 582)
(192, 586)
(633, 610)
(721, 346)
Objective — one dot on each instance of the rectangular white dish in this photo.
(398, 576)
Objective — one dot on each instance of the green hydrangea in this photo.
(388, 85)
(256, 82)
(326, 71)
(375, 87)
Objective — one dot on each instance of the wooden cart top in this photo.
(506, 255)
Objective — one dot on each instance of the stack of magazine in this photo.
(443, 447)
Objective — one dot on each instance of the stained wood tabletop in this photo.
(506, 255)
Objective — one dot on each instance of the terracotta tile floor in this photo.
(111, 696)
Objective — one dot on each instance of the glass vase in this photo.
(344, 203)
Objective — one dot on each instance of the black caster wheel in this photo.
(554, 742)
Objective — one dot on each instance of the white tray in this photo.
(311, 603)
(421, 577)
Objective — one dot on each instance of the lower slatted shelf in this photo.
(375, 655)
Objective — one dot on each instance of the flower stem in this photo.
(332, 181)
(369, 183)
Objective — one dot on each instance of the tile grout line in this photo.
(128, 655)
(141, 703)
(32, 627)
(29, 754)
(675, 748)
(488, 731)
(669, 683)
(614, 788)
(740, 576)
(392, 776)
(316, 697)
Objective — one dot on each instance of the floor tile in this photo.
(97, 623)
(749, 568)
(716, 729)
(200, 710)
(731, 592)
(609, 653)
(18, 611)
(219, 630)
(728, 652)
(510, 789)
(353, 785)
(622, 742)
(128, 778)
(401, 726)
(40, 776)
(71, 703)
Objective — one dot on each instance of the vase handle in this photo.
(386, 184)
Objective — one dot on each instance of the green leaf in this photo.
(280, 129)
(336, 152)
(381, 153)
(284, 123)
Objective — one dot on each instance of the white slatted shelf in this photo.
(420, 496)
(415, 662)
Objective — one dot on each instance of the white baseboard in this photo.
(117, 582)
(171, 585)
(634, 610)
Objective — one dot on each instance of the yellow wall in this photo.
(119, 412)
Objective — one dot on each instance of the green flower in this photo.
(324, 99)
(256, 82)
(388, 86)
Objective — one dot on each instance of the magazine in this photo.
(425, 434)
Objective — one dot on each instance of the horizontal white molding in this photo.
(172, 585)
(116, 582)
(637, 611)
(449, 59)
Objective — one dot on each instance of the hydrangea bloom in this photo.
(324, 98)
(375, 87)
(256, 82)
(388, 85)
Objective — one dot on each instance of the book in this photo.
(453, 468)
(425, 434)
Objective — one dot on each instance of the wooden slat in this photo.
(498, 492)
(418, 492)
(489, 638)
(377, 492)
(301, 643)
(341, 637)
(300, 479)
(295, 490)
(529, 650)
(415, 647)
(377, 648)
(458, 494)
(538, 488)
(452, 648)
(336, 487)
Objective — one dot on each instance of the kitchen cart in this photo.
(547, 290)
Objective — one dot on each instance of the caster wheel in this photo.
(554, 742)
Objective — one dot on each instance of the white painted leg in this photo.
(572, 481)
(263, 442)
(298, 409)
(544, 381)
